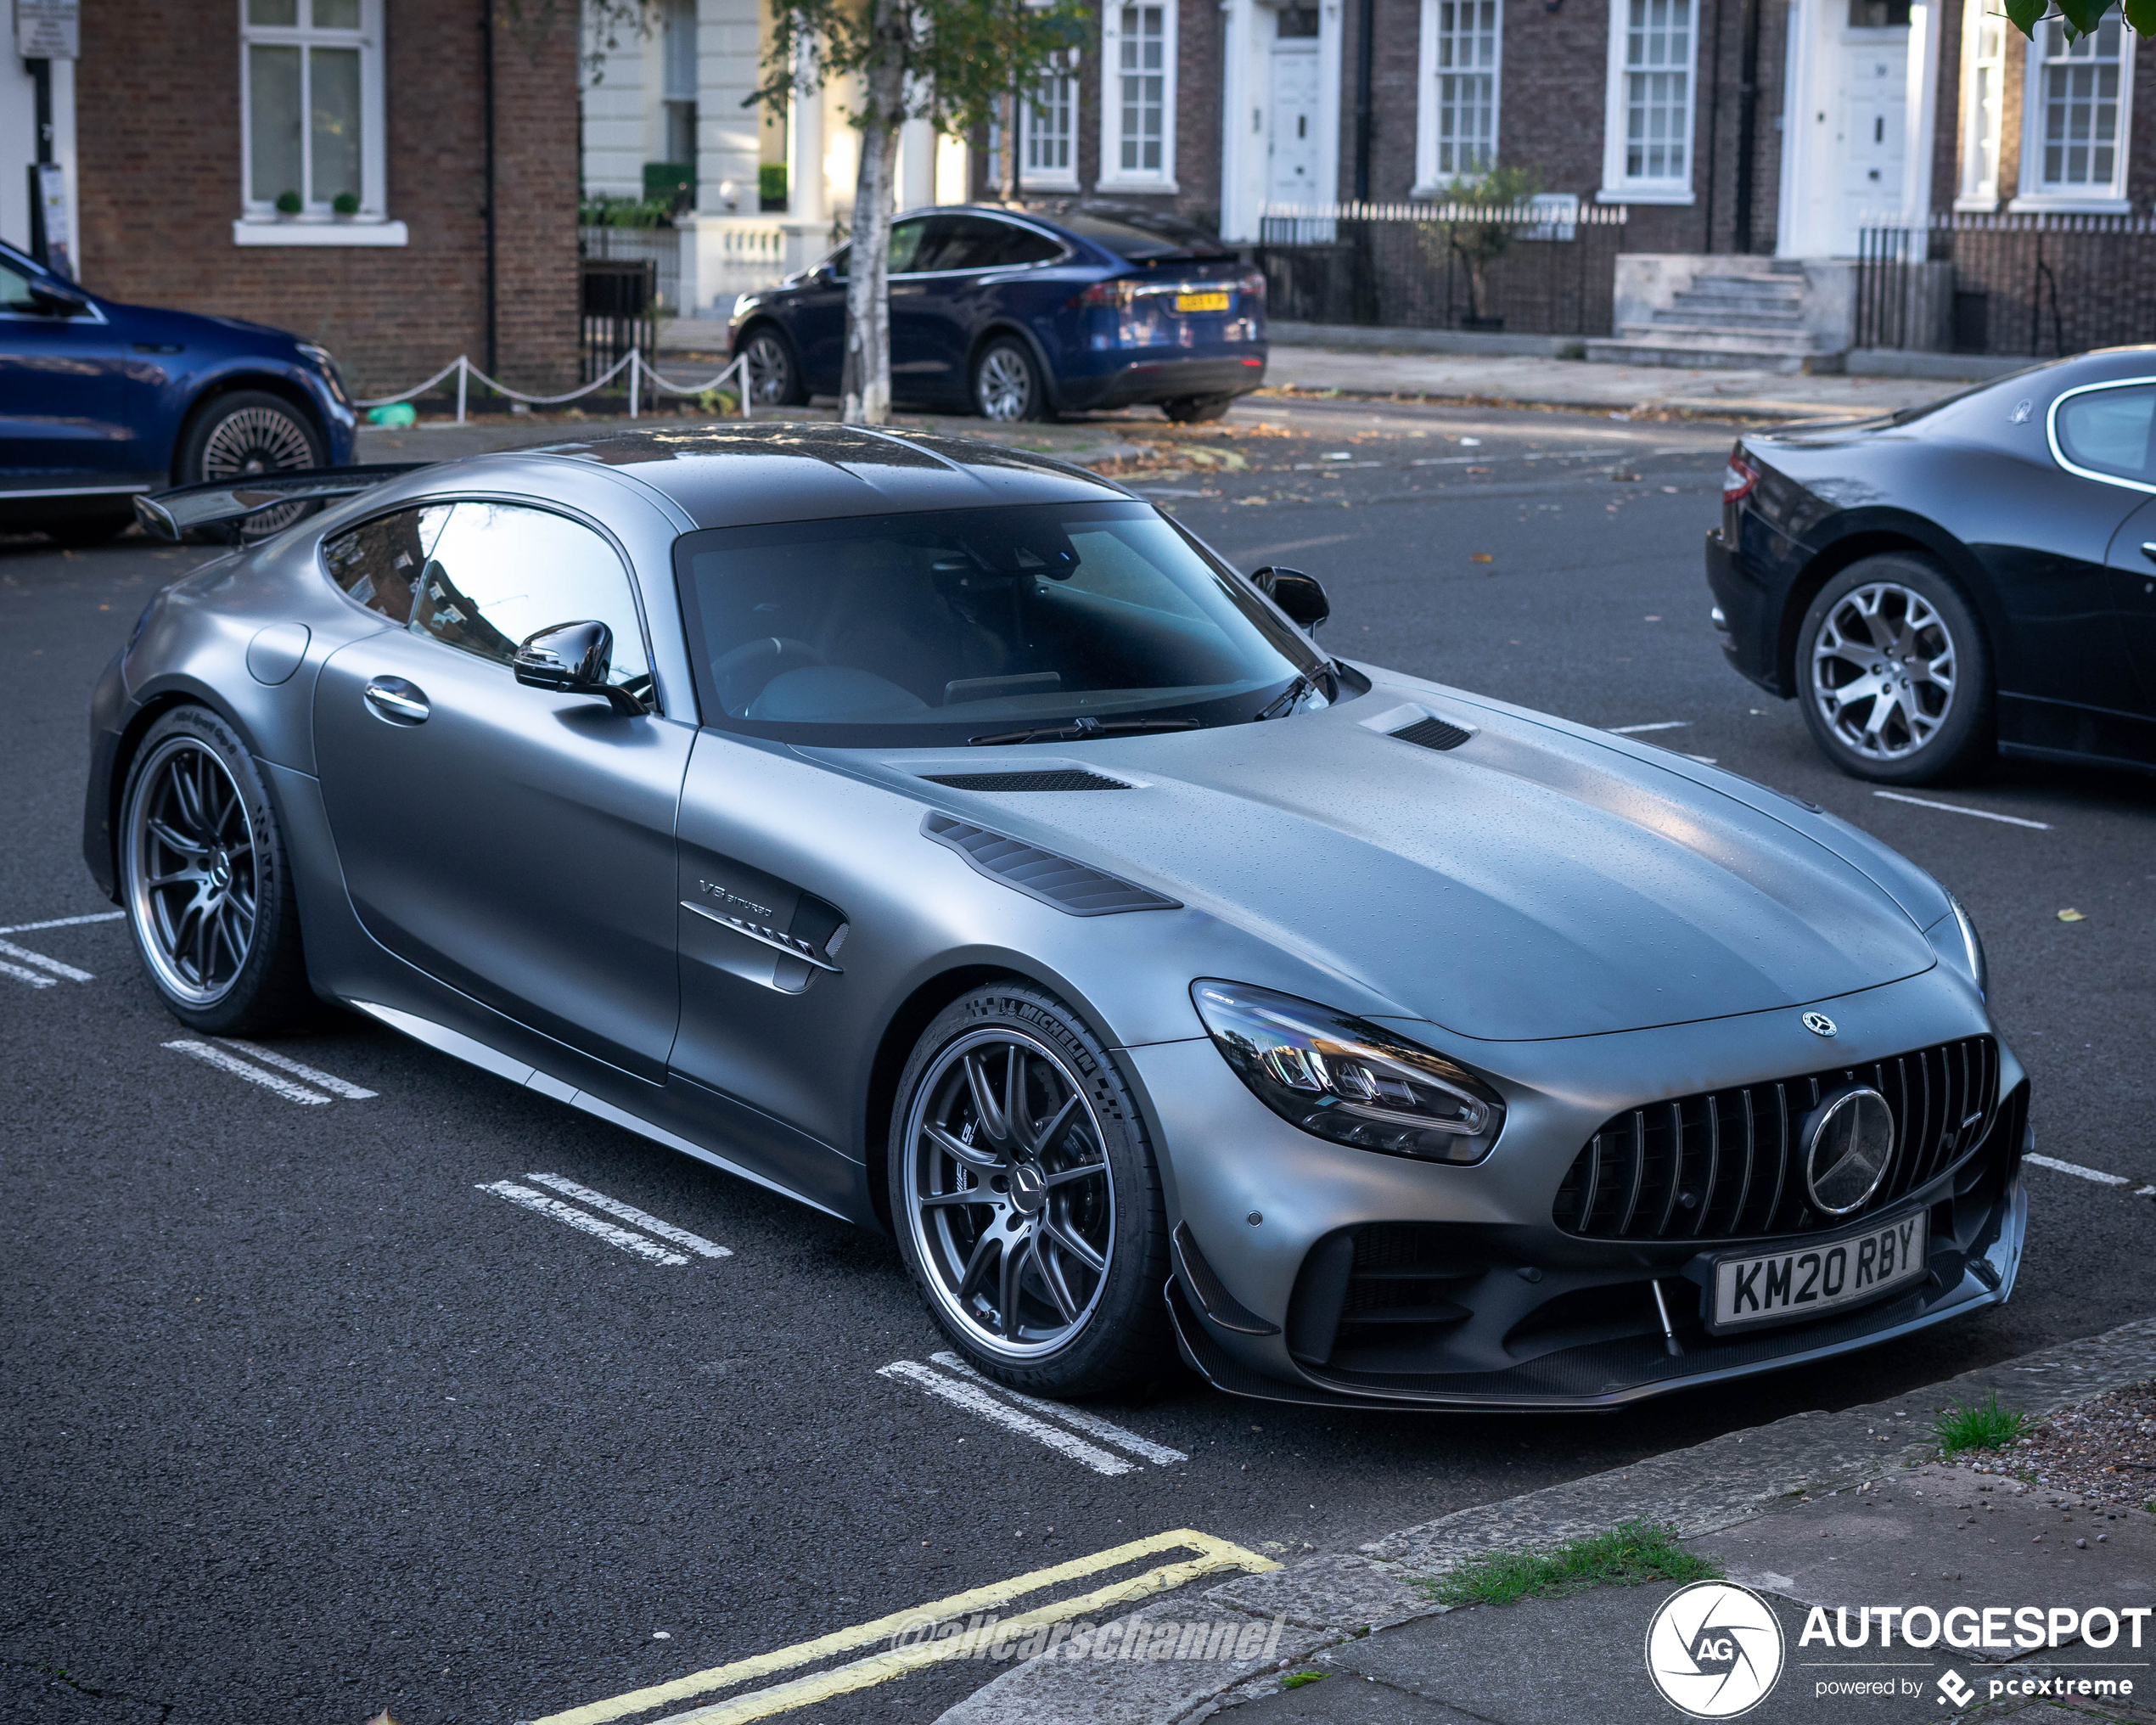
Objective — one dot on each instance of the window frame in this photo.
(258, 222)
(2032, 196)
(1430, 178)
(1619, 187)
(1112, 178)
(1064, 179)
(1976, 191)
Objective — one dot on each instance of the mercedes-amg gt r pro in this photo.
(947, 839)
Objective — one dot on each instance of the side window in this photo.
(14, 291)
(2107, 430)
(498, 573)
(1022, 245)
(379, 562)
(970, 243)
(905, 243)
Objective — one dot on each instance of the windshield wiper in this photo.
(1076, 730)
(1286, 702)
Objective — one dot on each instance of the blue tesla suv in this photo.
(99, 400)
(1019, 315)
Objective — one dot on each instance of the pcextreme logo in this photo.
(1713, 1650)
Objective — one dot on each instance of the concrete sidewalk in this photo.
(1832, 1510)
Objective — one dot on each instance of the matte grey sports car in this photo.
(945, 838)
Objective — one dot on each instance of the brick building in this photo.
(371, 115)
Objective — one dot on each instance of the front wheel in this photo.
(248, 432)
(774, 374)
(1894, 674)
(1026, 1199)
(1006, 383)
(206, 883)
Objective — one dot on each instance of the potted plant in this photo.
(288, 204)
(344, 205)
(1483, 222)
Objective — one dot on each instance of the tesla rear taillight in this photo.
(1739, 478)
(1117, 293)
(1253, 284)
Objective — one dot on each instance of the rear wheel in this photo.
(1006, 383)
(1197, 410)
(774, 374)
(1026, 1199)
(206, 883)
(1894, 674)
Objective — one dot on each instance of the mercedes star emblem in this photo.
(1819, 1024)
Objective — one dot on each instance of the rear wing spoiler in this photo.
(216, 509)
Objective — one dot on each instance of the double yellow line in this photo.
(1211, 1557)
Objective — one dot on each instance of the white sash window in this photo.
(1647, 149)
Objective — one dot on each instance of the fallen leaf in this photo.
(1244, 503)
(1478, 470)
(382, 1718)
(2071, 916)
(1482, 557)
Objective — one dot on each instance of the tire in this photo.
(775, 378)
(1076, 1183)
(252, 431)
(1894, 673)
(1197, 410)
(206, 882)
(1007, 384)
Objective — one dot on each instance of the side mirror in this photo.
(1301, 596)
(54, 301)
(574, 659)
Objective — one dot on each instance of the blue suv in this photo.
(1021, 315)
(99, 400)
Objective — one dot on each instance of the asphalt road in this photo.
(303, 1426)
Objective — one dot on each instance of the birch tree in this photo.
(952, 62)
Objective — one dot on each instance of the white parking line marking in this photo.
(1658, 725)
(2095, 1174)
(30, 976)
(44, 963)
(1090, 1424)
(629, 1212)
(102, 916)
(270, 1057)
(577, 1219)
(254, 1074)
(909, 1650)
(1955, 808)
(975, 1400)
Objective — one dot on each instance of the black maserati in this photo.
(1943, 582)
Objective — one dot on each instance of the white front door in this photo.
(1291, 151)
(1872, 138)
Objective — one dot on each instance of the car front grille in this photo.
(1729, 1165)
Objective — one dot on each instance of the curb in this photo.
(1339, 1596)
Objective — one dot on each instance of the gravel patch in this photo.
(2102, 1451)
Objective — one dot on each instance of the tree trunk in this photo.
(865, 387)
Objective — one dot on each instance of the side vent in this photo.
(1433, 734)
(1071, 887)
(1071, 779)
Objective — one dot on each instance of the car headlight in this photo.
(327, 364)
(1954, 938)
(1347, 1079)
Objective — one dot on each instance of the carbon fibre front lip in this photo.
(1205, 1356)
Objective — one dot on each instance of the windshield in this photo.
(964, 624)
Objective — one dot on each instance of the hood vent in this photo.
(1071, 779)
(1433, 734)
(1071, 887)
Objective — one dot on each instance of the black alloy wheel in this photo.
(774, 374)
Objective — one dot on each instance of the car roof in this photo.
(740, 476)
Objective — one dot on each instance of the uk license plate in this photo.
(1818, 1276)
(1201, 302)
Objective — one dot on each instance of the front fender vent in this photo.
(1074, 888)
(1071, 779)
(1433, 734)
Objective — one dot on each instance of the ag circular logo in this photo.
(1819, 1024)
(1713, 1650)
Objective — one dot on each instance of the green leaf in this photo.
(2024, 14)
(2140, 15)
(2084, 14)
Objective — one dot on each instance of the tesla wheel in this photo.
(251, 431)
(1026, 1199)
(206, 881)
(1893, 673)
(1197, 410)
(1006, 383)
(774, 374)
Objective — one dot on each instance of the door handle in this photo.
(397, 701)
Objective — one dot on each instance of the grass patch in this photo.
(1631, 1552)
(1295, 1680)
(1981, 1425)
